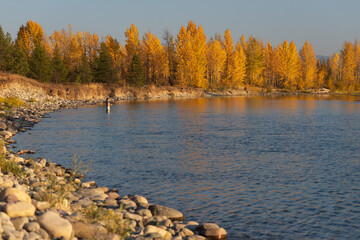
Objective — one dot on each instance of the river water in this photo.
(261, 167)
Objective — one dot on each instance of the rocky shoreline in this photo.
(43, 200)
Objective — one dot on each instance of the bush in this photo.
(10, 103)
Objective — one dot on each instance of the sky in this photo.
(326, 24)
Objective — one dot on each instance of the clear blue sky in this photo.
(324, 23)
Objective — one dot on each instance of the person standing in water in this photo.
(107, 105)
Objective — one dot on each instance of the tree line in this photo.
(189, 59)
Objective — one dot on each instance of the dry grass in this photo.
(11, 83)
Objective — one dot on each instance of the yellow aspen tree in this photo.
(154, 60)
(308, 66)
(29, 36)
(229, 61)
(321, 74)
(132, 43)
(289, 65)
(357, 63)
(185, 57)
(216, 57)
(269, 65)
(199, 48)
(117, 55)
(191, 52)
(348, 65)
(254, 62)
(91, 45)
(170, 52)
(239, 68)
(335, 70)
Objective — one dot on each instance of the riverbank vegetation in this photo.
(189, 59)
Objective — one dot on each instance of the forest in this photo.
(189, 59)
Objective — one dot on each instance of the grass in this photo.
(10, 166)
(57, 192)
(112, 220)
(10, 103)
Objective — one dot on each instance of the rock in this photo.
(12, 235)
(139, 199)
(93, 193)
(41, 205)
(84, 230)
(43, 234)
(144, 212)
(19, 209)
(212, 231)
(186, 232)
(6, 134)
(2, 150)
(196, 237)
(133, 216)
(127, 204)
(21, 195)
(32, 227)
(7, 183)
(113, 195)
(170, 213)
(19, 222)
(56, 226)
(150, 229)
(3, 126)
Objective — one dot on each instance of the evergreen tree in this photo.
(40, 65)
(19, 62)
(59, 69)
(135, 74)
(5, 50)
(84, 73)
(105, 71)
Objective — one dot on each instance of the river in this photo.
(261, 167)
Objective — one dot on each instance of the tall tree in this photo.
(348, 65)
(335, 71)
(117, 54)
(239, 68)
(135, 75)
(308, 66)
(84, 72)
(59, 69)
(5, 51)
(105, 71)
(170, 50)
(132, 43)
(40, 65)
(216, 57)
(229, 62)
(289, 65)
(153, 59)
(254, 61)
(30, 36)
(186, 57)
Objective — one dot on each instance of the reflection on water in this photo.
(262, 167)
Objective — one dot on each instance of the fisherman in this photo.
(107, 105)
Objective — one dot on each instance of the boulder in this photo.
(170, 213)
(212, 231)
(21, 195)
(6, 134)
(84, 230)
(56, 226)
(19, 209)
(150, 229)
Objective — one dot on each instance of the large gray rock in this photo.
(170, 213)
(93, 193)
(84, 230)
(56, 226)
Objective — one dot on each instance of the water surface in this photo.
(261, 167)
